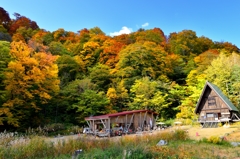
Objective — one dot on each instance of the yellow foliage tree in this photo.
(31, 79)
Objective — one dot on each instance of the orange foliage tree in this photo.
(31, 80)
(110, 54)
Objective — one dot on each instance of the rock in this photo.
(162, 143)
(77, 153)
(235, 144)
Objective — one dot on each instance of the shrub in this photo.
(204, 140)
(180, 135)
(214, 139)
(169, 122)
(220, 124)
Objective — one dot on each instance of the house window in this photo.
(210, 115)
(211, 101)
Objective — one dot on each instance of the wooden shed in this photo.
(214, 107)
(134, 120)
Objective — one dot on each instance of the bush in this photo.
(169, 122)
(180, 135)
(220, 124)
(214, 139)
(204, 140)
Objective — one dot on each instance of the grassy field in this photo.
(182, 144)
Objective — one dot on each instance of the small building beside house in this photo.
(214, 107)
(128, 120)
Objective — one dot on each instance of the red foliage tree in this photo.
(22, 21)
(4, 18)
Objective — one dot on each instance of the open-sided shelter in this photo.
(134, 120)
(214, 107)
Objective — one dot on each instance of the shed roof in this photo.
(106, 116)
(219, 93)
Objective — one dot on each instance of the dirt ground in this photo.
(231, 133)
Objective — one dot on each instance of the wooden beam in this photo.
(126, 121)
(212, 109)
(144, 118)
(103, 124)
(116, 119)
(109, 123)
(130, 121)
(140, 121)
(88, 123)
(236, 116)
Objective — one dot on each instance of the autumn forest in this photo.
(62, 76)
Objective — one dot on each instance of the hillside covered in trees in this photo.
(62, 76)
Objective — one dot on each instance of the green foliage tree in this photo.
(69, 69)
(91, 103)
(146, 95)
(23, 33)
(48, 38)
(100, 75)
(80, 99)
(184, 43)
(5, 58)
(57, 48)
(204, 44)
(68, 96)
(90, 53)
(195, 84)
(142, 59)
(4, 35)
(96, 31)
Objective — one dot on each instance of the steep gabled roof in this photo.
(219, 93)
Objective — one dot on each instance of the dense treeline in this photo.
(62, 76)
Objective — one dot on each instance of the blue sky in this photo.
(215, 19)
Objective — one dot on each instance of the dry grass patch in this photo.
(231, 133)
(234, 136)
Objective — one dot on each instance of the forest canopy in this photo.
(62, 76)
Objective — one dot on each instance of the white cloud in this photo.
(145, 25)
(124, 30)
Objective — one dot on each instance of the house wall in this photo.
(212, 107)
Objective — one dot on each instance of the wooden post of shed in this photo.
(140, 120)
(126, 121)
(108, 126)
(153, 122)
(94, 128)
